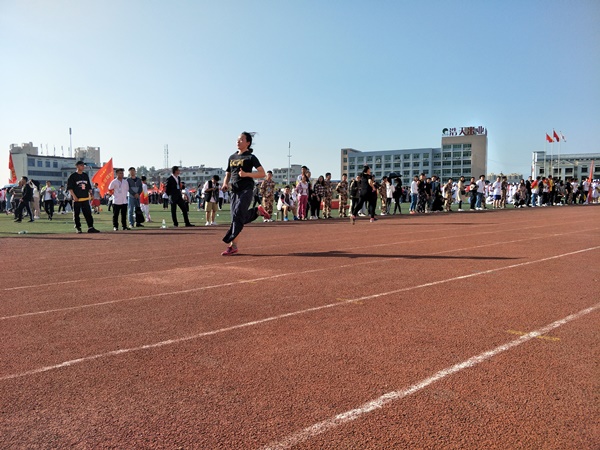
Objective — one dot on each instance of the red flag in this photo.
(104, 176)
(13, 172)
(548, 138)
(556, 136)
(162, 187)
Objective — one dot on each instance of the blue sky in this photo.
(130, 76)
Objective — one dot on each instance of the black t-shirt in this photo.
(246, 161)
(80, 183)
(365, 187)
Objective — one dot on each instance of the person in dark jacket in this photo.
(24, 201)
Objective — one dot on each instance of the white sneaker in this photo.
(461, 209)
(213, 223)
(207, 224)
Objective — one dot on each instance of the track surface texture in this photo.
(462, 330)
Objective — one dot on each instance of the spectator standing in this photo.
(414, 194)
(119, 187)
(342, 190)
(480, 192)
(145, 200)
(368, 195)
(398, 196)
(327, 195)
(24, 201)
(96, 198)
(267, 192)
(461, 192)
(173, 190)
(60, 197)
(211, 198)
(302, 195)
(133, 202)
(80, 188)
(48, 195)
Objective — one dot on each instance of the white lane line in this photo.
(274, 318)
(137, 274)
(216, 286)
(378, 403)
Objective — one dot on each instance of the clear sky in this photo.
(130, 76)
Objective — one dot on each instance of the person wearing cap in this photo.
(80, 188)
(119, 188)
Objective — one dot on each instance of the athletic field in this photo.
(461, 331)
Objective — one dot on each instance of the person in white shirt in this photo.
(414, 194)
(480, 192)
(118, 189)
(497, 188)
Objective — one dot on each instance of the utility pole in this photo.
(289, 161)
(166, 156)
(70, 143)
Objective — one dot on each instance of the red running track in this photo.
(473, 330)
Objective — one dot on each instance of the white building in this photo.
(280, 176)
(463, 152)
(568, 165)
(56, 169)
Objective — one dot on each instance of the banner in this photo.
(104, 176)
(11, 167)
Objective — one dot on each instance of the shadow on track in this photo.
(341, 254)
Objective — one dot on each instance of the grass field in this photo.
(63, 223)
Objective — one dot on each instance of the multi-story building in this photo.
(283, 176)
(91, 154)
(56, 169)
(463, 152)
(511, 178)
(567, 165)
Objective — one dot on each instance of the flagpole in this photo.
(545, 151)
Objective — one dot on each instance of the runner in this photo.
(240, 174)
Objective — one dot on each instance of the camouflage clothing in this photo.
(342, 190)
(267, 191)
(327, 199)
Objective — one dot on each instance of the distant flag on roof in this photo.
(548, 138)
(563, 137)
(556, 136)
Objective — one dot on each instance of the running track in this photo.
(472, 330)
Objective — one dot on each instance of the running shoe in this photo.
(263, 212)
(230, 251)
(93, 230)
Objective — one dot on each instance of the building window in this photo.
(352, 167)
(446, 172)
(416, 172)
(47, 163)
(437, 163)
(406, 173)
(467, 154)
(40, 163)
(378, 166)
(360, 159)
(406, 156)
(396, 165)
(345, 160)
(447, 147)
(466, 162)
(457, 155)
(467, 172)
(466, 146)
(30, 162)
(416, 155)
(352, 159)
(457, 147)
(406, 164)
(416, 164)
(387, 157)
(55, 164)
(447, 163)
(447, 155)
(437, 156)
(387, 166)
(397, 157)
(369, 159)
